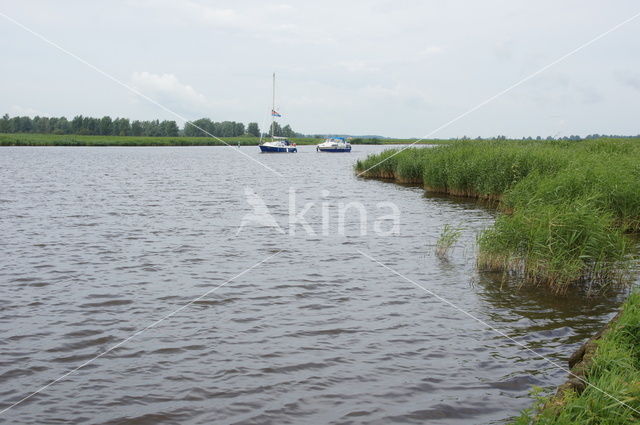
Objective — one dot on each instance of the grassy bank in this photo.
(569, 206)
(35, 139)
(613, 368)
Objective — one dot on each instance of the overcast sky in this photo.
(393, 68)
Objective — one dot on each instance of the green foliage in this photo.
(81, 125)
(287, 131)
(253, 129)
(204, 127)
(105, 126)
(568, 203)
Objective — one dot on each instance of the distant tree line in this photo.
(106, 126)
(201, 127)
(285, 131)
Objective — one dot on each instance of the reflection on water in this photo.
(100, 242)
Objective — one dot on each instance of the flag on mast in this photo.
(274, 113)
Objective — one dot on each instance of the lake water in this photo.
(100, 243)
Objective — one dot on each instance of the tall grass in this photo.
(448, 237)
(567, 204)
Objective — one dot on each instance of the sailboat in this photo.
(277, 144)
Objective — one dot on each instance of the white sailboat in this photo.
(277, 144)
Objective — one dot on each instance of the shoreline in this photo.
(40, 139)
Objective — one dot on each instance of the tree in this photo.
(26, 125)
(190, 130)
(199, 128)
(90, 126)
(121, 127)
(239, 129)
(253, 129)
(5, 124)
(287, 131)
(14, 124)
(76, 124)
(169, 128)
(36, 124)
(62, 126)
(136, 128)
(106, 126)
(276, 130)
(227, 129)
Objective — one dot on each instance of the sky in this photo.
(401, 68)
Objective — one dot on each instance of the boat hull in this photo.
(334, 150)
(278, 149)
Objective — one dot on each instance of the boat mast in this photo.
(273, 106)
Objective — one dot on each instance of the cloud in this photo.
(257, 21)
(397, 69)
(167, 90)
(212, 15)
(190, 12)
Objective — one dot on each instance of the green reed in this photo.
(448, 237)
(567, 205)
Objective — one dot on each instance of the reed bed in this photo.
(568, 206)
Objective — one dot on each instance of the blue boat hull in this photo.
(272, 149)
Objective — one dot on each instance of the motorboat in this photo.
(334, 144)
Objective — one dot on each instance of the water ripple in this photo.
(118, 238)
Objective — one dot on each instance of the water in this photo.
(99, 243)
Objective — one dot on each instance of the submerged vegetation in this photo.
(568, 206)
(613, 374)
